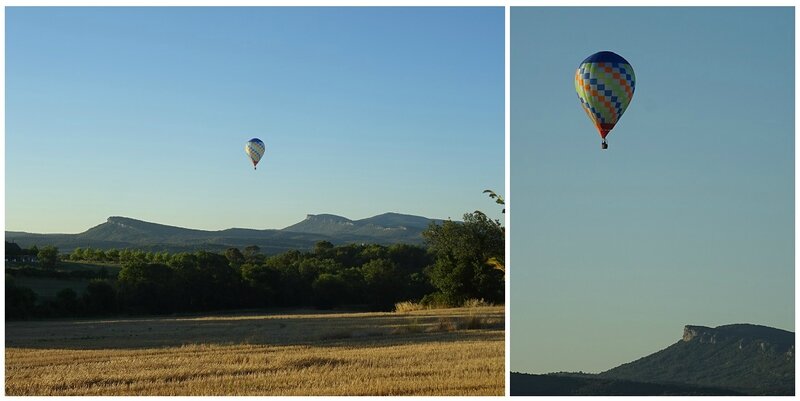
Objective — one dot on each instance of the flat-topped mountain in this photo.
(743, 357)
(387, 225)
(131, 230)
(123, 232)
(319, 223)
(725, 360)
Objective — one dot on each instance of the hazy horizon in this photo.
(686, 219)
(144, 112)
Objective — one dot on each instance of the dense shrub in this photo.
(20, 301)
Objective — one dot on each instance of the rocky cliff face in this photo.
(700, 333)
(328, 218)
(763, 337)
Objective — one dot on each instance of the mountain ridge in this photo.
(740, 358)
(126, 232)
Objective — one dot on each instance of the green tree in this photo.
(218, 283)
(295, 289)
(409, 258)
(498, 262)
(497, 198)
(348, 255)
(20, 301)
(235, 257)
(323, 248)
(327, 290)
(285, 259)
(264, 281)
(373, 251)
(383, 282)
(162, 257)
(312, 267)
(77, 254)
(355, 287)
(147, 288)
(48, 257)
(131, 257)
(461, 250)
(183, 260)
(113, 255)
(187, 276)
(90, 254)
(251, 252)
(67, 302)
(100, 297)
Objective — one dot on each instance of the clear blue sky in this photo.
(144, 113)
(687, 218)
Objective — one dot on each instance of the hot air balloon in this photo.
(605, 83)
(255, 149)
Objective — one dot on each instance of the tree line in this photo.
(453, 266)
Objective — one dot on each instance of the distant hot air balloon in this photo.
(605, 83)
(255, 149)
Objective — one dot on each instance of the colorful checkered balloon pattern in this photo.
(255, 149)
(605, 83)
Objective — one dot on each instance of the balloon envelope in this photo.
(605, 84)
(255, 149)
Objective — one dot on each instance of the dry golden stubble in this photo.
(454, 352)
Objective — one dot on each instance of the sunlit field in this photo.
(426, 352)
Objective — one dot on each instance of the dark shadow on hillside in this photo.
(557, 384)
(358, 329)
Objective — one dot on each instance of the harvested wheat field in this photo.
(427, 352)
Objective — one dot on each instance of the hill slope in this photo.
(744, 357)
(131, 230)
